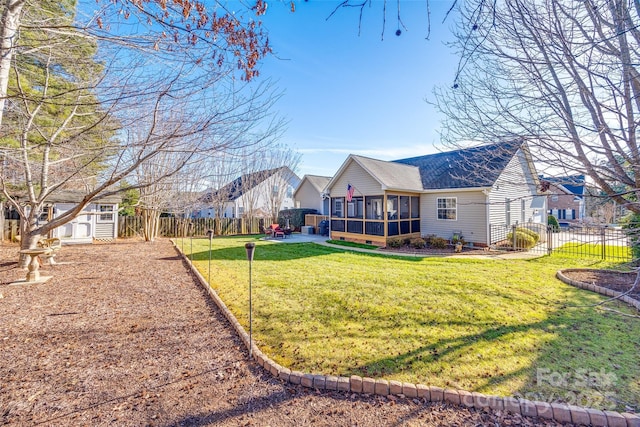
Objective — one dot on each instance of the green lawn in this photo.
(494, 326)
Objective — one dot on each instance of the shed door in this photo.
(79, 228)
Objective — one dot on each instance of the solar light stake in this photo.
(250, 246)
(210, 233)
(191, 240)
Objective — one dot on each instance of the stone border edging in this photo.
(595, 288)
(355, 384)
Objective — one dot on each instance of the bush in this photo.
(417, 243)
(295, 217)
(553, 223)
(523, 240)
(396, 242)
(631, 226)
(536, 236)
(436, 242)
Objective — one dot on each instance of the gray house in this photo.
(465, 191)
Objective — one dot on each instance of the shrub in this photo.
(396, 242)
(457, 238)
(295, 217)
(553, 223)
(417, 243)
(631, 226)
(436, 242)
(523, 240)
(536, 236)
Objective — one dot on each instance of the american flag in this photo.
(350, 190)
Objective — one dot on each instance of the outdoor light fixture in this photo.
(250, 246)
(210, 234)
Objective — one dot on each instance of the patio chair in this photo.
(277, 231)
(266, 231)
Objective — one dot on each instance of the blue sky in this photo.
(348, 93)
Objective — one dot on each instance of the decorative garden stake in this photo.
(250, 246)
(210, 234)
(191, 240)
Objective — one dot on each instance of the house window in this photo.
(374, 207)
(447, 208)
(240, 210)
(522, 211)
(275, 189)
(337, 207)
(290, 192)
(106, 213)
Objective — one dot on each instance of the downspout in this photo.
(487, 205)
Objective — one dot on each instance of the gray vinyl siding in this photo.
(471, 216)
(309, 197)
(354, 174)
(515, 184)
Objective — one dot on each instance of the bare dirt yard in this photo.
(123, 335)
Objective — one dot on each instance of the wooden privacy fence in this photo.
(314, 220)
(10, 229)
(129, 226)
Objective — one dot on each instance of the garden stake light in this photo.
(250, 246)
(210, 233)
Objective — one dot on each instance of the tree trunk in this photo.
(27, 241)
(9, 24)
(151, 223)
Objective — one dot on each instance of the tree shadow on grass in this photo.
(582, 345)
(281, 252)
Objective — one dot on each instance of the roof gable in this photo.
(574, 184)
(390, 175)
(318, 182)
(467, 168)
(236, 188)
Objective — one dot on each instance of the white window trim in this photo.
(438, 208)
(111, 212)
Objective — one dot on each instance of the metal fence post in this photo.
(604, 239)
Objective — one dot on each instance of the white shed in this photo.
(98, 220)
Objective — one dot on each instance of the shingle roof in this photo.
(574, 184)
(235, 188)
(467, 168)
(391, 175)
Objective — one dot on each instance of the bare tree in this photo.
(562, 75)
(150, 96)
(222, 169)
(281, 162)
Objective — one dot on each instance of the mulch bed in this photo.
(122, 334)
(449, 250)
(615, 280)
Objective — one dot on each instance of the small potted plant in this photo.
(458, 242)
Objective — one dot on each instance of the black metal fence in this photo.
(584, 242)
(129, 226)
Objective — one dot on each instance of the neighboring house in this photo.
(97, 221)
(258, 194)
(566, 197)
(464, 191)
(310, 193)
